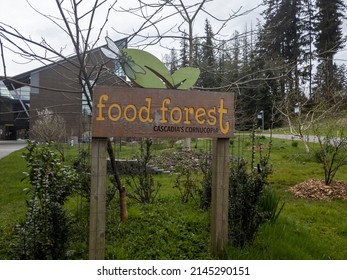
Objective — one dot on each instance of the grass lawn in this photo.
(168, 229)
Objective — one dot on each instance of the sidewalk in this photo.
(311, 139)
(8, 146)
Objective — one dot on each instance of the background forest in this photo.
(285, 62)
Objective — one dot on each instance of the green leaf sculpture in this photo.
(156, 76)
(147, 71)
(186, 77)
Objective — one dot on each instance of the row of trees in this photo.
(286, 61)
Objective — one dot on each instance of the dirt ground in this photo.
(317, 189)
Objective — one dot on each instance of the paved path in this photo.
(7, 147)
(311, 139)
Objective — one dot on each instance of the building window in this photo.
(4, 92)
(22, 93)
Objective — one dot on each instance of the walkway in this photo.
(311, 139)
(7, 147)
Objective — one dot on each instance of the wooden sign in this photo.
(138, 112)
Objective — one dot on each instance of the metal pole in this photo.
(262, 120)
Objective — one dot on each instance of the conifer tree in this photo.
(329, 40)
(184, 52)
(208, 64)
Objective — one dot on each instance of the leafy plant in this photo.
(206, 192)
(82, 166)
(250, 203)
(45, 232)
(269, 203)
(244, 212)
(187, 185)
(333, 152)
(141, 181)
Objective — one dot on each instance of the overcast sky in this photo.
(20, 15)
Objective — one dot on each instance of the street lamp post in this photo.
(261, 117)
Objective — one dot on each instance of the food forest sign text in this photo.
(138, 112)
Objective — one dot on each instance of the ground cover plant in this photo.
(169, 229)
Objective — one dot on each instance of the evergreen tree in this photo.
(208, 64)
(196, 52)
(281, 41)
(307, 39)
(173, 61)
(329, 40)
(184, 51)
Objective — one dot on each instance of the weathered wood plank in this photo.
(138, 112)
(220, 196)
(97, 217)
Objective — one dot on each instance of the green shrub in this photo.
(269, 203)
(82, 165)
(45, 232)
(248, 209)
(143, 188)
(188, 186)
(206, 192)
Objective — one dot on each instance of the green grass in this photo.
(168, 229)
(306, 229)
(12, 197)
(11, 188)
(164, 230)
(323, 126)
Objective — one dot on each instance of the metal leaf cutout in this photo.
(147, 71)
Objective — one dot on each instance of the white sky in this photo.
(18, 14)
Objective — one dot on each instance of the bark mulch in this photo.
(318, 190)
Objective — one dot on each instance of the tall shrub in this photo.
(332, 153)
(45, 231)
(141, 182)
(251, 200)
(245, 191)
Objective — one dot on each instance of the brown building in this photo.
(58, 89)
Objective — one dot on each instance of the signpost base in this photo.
(220, 196)
(97, 218)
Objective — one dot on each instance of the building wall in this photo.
(60, 91)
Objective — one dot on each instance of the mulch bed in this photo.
(318, 190)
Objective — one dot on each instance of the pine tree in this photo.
(307, 38)
(174, 61)
(184, 52)
(329, 40)
(281, 41)
(208, 64)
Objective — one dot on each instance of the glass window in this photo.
(22, 93)
(4, 92)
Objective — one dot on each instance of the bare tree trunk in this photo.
(122, 192)
(307, 147)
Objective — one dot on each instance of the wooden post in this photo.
(97, 217)
(220, 196)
